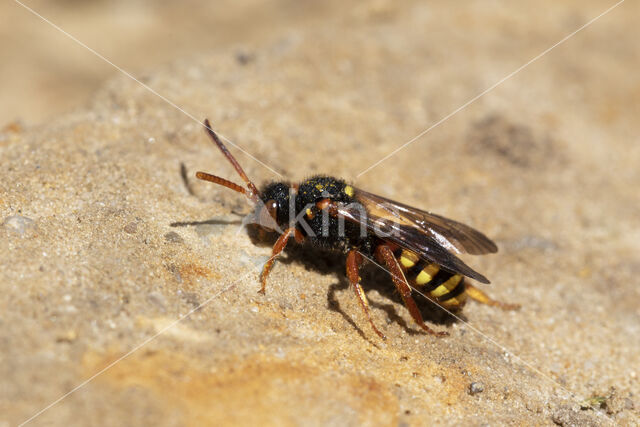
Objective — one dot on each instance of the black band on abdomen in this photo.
(437, 280)
(459, 289)
(413, 272)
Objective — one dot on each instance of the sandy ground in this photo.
(118, 269)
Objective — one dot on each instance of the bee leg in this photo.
(477, 295)
(354, 260)
(277, 249)
(384, 254)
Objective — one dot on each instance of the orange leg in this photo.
(277, 249)
(477, 295)
(384, 255)
(354, 260)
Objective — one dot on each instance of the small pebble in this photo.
(131, 228)
(157, 299)
(243, 58)
(173, 237)
(475, 388)
(190, 298)
(567, 416)
(68, 336)
(18, 224)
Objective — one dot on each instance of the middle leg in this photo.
(354, 260)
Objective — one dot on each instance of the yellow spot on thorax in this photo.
(348, 190)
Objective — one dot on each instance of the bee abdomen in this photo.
(444, 287)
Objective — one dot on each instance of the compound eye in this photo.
(268, 215)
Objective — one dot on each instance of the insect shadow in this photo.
(206, 222)
(327, 262)
(373, 278)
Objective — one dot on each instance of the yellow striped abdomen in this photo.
(444, 287)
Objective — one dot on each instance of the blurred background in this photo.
(44, 73)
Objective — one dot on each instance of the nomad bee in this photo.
(416, 247)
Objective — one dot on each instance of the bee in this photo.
(416, 247)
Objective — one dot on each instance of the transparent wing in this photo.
(451, 234)
(406, 235)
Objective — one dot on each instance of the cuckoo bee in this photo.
(416, 247)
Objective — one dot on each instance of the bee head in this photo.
(272, 212)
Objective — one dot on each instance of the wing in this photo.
(410, 228)
(451, 234)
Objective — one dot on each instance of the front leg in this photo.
(281, 243)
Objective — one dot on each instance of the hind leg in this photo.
(384, 254)
(477, 295)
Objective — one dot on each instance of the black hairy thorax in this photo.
(318, 226)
